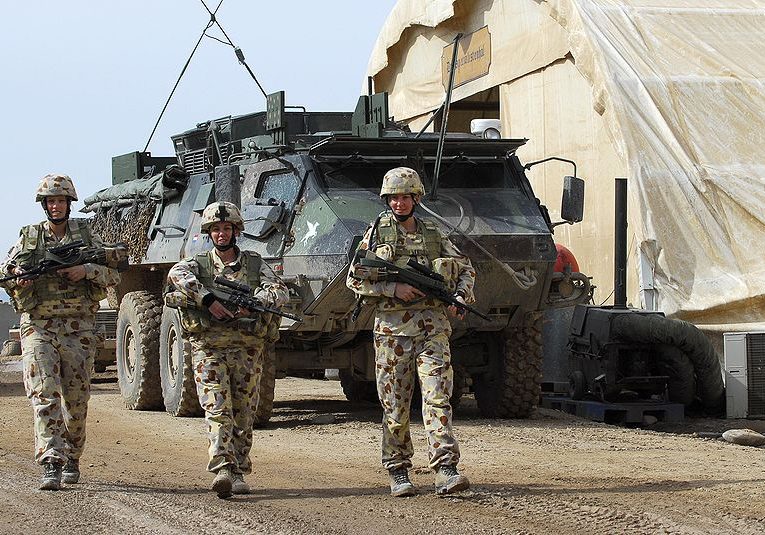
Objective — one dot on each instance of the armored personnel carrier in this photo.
(307, 184)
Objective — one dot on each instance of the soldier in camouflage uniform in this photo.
(58, 331)
(411, 334)
(228, 345)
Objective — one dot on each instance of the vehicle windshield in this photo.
(461, 174)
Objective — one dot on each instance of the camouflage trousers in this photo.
(227, 374)
(400, 360)
(58, 358)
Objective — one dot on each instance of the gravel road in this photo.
(143, 472)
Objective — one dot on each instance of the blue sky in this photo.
(83, 81)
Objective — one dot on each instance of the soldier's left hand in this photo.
(74, 273)
(455, 311)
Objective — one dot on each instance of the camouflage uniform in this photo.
(412, 340)
(228, 357)
(58, 336)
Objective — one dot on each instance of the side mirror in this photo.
(572, 205)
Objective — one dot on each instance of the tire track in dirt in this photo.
(547, 514)
(99, 507)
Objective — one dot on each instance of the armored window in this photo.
(466, 173)
(363, 176)
(282, 187)
(469, 174)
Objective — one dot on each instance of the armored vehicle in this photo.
(308, 186)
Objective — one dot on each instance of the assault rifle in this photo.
(234, 294)
(367, 265)
(74, 254)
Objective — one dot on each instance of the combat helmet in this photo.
(53, 185)
(221, 211)
(402, 181)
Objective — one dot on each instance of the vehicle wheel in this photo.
(577, 385)
(511, 388)
(266, 387)
(11, 348)
(357, 390)
(681, 386)
(138, 350)
(175, 369)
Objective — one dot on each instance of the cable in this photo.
(183, 71)
(237, 50)
(239, 55)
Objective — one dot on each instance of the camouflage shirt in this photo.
(95, 274)
(183, 275)
(411, 319)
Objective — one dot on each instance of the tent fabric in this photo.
(416, 78)
(668, 94)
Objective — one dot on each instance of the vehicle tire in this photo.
(266, 387)
(138, 350)
(512, 386)
(11, 348)
(577, 385)
(357, 390)
(176, 372)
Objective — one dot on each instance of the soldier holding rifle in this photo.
(58, 330)
(411, 332)
(228, 340)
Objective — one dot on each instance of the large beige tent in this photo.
(669, 94)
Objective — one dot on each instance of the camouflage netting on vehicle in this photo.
(124, 212)
(129, 225)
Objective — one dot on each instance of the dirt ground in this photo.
(143, 472)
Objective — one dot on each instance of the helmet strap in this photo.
(229, 245)
(402, 217)
(57, 220)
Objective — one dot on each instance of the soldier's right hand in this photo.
(406, 292)
(22, 282)
(219, 311)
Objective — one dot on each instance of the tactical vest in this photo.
(52, 288)
(388, 234)
(196, 321)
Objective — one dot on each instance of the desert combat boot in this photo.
(71, 471)
(51, 479)
(223, 482)
(239, 485)
(400, 485)
(448, 480)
